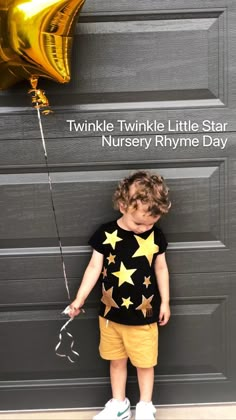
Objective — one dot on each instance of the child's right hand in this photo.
(74, 309)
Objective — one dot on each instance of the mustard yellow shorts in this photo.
(137, 342)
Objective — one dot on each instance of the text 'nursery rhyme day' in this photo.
(162, 141)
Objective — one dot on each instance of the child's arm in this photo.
(162, 275)
(89, 280)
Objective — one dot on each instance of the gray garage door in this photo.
(162, 61)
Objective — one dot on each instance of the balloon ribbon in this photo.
(60, 343)
(39, 100)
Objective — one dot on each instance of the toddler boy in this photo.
(129, 258)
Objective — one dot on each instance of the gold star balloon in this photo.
(35, 39)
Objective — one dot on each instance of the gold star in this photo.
(108, 300)
(36, 39)
(147, 248)
(127, 302)
(145, 305)
(104, 272)
(112, 238)
(111, 259)
(124, 275)
(147, 281)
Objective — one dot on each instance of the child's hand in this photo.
(164, 314)
(74, 309)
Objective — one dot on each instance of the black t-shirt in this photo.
(129, 287)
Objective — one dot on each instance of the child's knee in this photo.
(119, 363)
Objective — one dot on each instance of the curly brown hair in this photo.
(150, 189)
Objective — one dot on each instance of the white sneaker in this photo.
(145, 411)
(115, 410)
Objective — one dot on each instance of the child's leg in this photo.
(145, 381)
(117, 407)
(112, 348)
(118, 375)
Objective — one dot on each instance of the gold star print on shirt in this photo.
(145, 306)
(147, 247)
(131, 295)
(111, 259)
(147, 281)
(104, 272)
(124, 275)
(126, 302)
(112, 238)
(108, 300)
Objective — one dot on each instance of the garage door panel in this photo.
(200, 322)
(25, 197)
(42, 292)
(96, 152)
(156, 69)
(33, 330)
(200, 326)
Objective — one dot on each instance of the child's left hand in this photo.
(164, 314)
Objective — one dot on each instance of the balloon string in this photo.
(52, 201)
(75, 353)
(63, 328)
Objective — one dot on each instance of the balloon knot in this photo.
(40, 100)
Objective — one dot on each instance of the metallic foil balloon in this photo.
(36, 38)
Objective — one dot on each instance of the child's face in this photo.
(138, 220)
